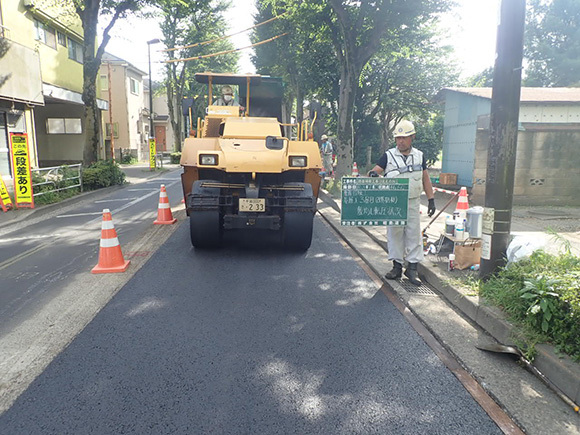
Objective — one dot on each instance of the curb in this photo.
(559, 371)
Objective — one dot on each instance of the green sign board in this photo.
(373, 201)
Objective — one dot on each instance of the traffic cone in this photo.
(110, 256)
(164, 215)
(354, 170)
(462, 203)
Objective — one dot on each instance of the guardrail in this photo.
(59, 177)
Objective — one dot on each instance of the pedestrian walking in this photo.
(405, 243)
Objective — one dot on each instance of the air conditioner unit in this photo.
(29, 3)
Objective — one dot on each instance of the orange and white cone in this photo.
(164, 215)
(110, 256)
(462, 203)
(354, 170)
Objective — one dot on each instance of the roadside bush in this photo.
(542, 294)
(175, 157)
(102, 174)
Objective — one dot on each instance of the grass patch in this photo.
(540, 295)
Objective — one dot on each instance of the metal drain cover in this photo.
(422, 289)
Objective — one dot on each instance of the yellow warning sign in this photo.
(152, 152)
(23, 195)
(5, 200)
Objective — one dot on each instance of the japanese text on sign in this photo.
(5, 200)
(152, 152)
(23, 194)
(374, 201)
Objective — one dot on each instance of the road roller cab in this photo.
(242, 172)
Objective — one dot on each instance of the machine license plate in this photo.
(256, 205)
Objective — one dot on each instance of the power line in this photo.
(227, 51)
(199, 44)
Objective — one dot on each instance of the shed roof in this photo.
(529, 95)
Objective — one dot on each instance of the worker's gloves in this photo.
(373, 174)
(431, 207)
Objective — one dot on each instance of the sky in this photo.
(472, 28)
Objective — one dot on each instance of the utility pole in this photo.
(501, 156)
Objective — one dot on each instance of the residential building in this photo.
(164, 137)
(548, 143)
(122, 84)
(41, 96)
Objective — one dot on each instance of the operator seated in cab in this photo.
(227, 98)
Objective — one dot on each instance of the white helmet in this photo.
(404, 128)
(227, 90)
(324, 137)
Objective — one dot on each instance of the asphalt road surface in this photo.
(248, 339)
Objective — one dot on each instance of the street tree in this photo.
(90, 12)
(303, 57)
(185, 24)
(552, 43)
(401, 81)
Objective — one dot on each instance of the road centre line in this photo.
(111, 200)
(141, 190)
(23, 255)
(91, 213)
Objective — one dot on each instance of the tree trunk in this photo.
(90, 70)
(344, 147)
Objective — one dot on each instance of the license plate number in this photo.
(256, 205)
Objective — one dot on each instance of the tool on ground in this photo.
(110, 255)
(164, 215)
(501, 348)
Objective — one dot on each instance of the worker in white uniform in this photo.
(405, 243)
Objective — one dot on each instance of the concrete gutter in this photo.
(557, 370)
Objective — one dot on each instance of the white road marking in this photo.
(91, 213)
(111, 200)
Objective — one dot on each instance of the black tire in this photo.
(205, 229)
(297, 232)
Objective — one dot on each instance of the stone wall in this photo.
(547, 166)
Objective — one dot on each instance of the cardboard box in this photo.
(448, 179)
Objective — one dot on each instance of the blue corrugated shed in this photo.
(461, 112)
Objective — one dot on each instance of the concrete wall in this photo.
(56, 149)
(547, 167)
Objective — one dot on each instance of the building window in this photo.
(115, 130)
(75, 50)
(134, 86)
(61, 38)
(104, 79)
(64, 126)
(45, 34)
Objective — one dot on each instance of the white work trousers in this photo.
(406, 243)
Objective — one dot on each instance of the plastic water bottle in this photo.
(459, 230)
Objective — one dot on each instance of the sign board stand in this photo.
(374, 201)
(5, 201)
(23, 194)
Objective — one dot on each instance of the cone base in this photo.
(169, 222)
(116, 269)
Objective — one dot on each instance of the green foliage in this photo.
(484, 79)
(552, 43)
(175, 158)
(542, 294)
(128, 159)
(429, 138)
(101, 174)
(47, 184)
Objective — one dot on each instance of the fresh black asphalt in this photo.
(244, 340)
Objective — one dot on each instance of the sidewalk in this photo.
(371, 244)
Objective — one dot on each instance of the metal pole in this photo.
(501, 156)
(150, 92)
